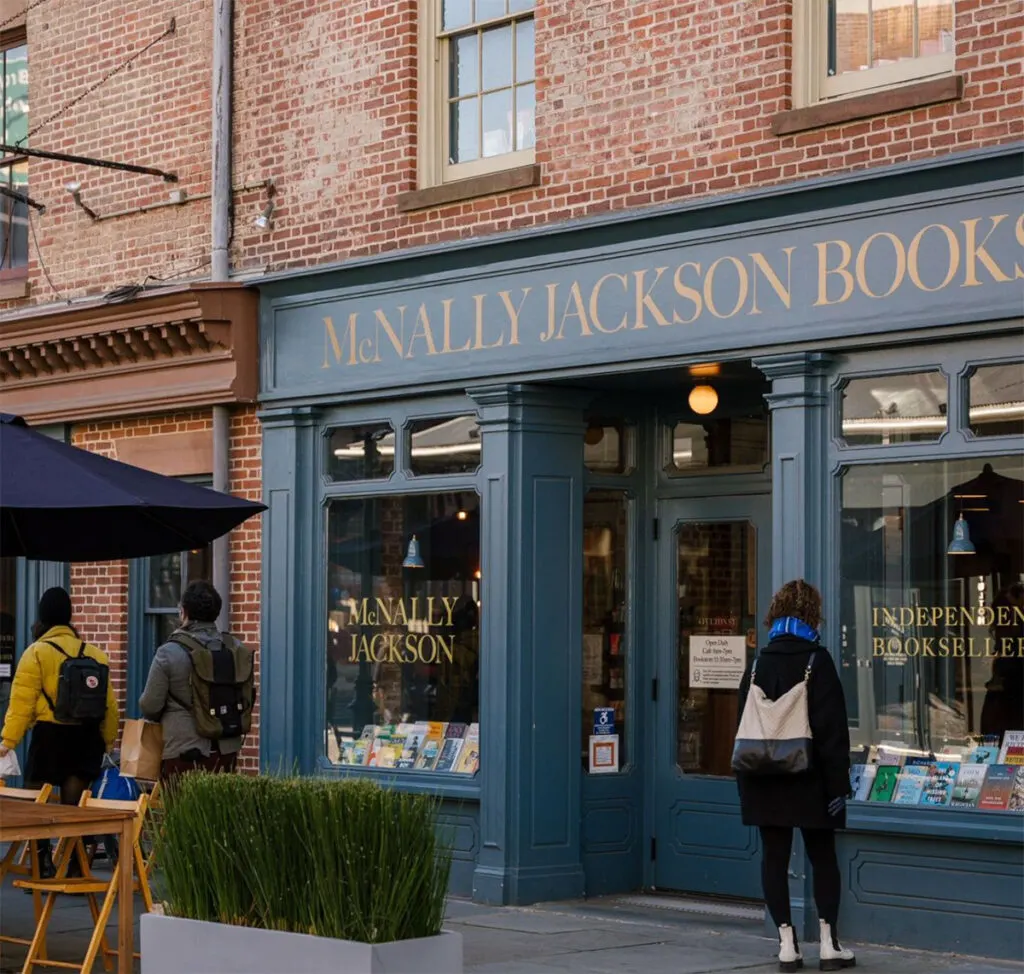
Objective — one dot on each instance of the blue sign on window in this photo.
(604, 720)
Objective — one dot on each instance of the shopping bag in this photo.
(9, 767)
(142, 746)
(113, 785)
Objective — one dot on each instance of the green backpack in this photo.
(223, 686)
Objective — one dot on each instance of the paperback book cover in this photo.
(361, 751)
(910, 784)
(431, 747)
(469, 758)
(862, 789)
(995, 793)
(891, 754)
(884, 784)
(940, 777)
(449, 755)
(1017, 795)
(982, 754)
(413, 743)
(1012, 751)
(968, 785)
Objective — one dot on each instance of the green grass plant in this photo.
(341, 859)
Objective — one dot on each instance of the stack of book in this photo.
(986, 774)
(449, 748)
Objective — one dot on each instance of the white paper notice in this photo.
(717, 661)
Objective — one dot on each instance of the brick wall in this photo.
(639, 102)
(99, 592)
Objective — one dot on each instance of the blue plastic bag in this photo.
(112, 785)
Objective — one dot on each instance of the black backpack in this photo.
(81, 688)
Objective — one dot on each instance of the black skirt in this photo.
(57, 752)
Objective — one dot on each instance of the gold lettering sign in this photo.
(965, 253)
(902, 632)
(388, 630)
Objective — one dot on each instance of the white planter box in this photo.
(171, 945)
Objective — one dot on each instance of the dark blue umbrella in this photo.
(60, 503)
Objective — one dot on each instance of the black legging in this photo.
(776, 847)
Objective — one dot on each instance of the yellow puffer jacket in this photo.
(39, 670)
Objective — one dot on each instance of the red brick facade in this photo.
(639, 102)
(100, 591)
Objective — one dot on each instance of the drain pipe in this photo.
(220, 230)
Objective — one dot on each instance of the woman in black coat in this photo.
(813, 801)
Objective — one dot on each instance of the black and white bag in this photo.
(774, 736)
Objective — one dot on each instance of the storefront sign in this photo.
(902, 632)
(717, 661)
(604, 754)
(701, 292)
(388, 630)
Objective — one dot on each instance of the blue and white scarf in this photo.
(791, 626)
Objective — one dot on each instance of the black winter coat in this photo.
(801, 800)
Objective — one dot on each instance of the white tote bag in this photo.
(774, 736)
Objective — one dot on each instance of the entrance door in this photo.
(714, 570)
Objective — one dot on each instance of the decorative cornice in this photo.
(176, 348)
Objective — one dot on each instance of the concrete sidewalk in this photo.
(615, 935)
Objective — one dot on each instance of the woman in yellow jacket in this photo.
(65, 754)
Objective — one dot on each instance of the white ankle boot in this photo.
(790, 958)
(833, 956)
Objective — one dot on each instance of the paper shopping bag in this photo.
(142, 747)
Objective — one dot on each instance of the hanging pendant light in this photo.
(961, 543)
(412, 556)
(703, 400)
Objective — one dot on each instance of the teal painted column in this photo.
(530, 692)
(799, 409)
(288, 681)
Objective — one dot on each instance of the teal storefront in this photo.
(530, 488)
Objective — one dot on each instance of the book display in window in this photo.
(452, 748)
(985, 774)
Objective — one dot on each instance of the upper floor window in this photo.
(477, 97)
(848, 47)
(14, 171)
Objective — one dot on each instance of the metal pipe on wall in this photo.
(222, 547)
(220, 235)
(220, 229)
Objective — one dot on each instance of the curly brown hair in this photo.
(799, 599)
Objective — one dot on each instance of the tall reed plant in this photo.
(348, 860)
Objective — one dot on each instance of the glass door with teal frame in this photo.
(714, 570)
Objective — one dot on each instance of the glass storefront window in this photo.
(732, 441)
(605, 651)
(8, 620)
(889, 409)
(996, 400)
(716, 584)
(931, 613)
(403, 632)
(361, 452)
(169, 575)
(604, 448)
(444, 446)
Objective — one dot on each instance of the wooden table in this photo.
(21, 821)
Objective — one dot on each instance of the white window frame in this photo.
(434, 130)
(811, 83)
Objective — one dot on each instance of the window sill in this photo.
(418, 782)
(966, 824)
(488, 184)
(901, 99)
(13, 286)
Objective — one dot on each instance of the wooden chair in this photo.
(20, 859)
(92, 887)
